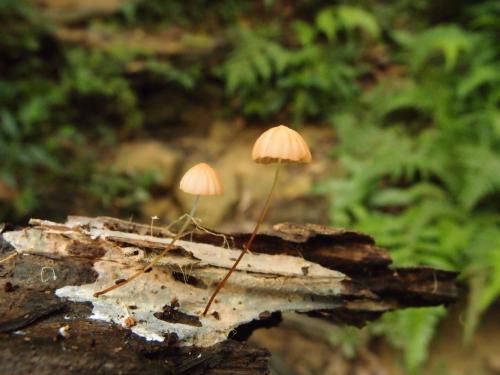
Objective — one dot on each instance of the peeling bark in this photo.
(333, 274)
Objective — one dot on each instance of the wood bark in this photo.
(44, 333)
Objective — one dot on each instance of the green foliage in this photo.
(307, 79)
(254, 63)
(449, 40)
(347, 339)
(420, 157)
(54, 118)
(333, 20)
(411, 330)
(185, 13)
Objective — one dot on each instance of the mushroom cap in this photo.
(281, 143)
(201, 180)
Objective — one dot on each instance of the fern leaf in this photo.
(326, 22)
(351, 18)
(481, 75)
(304, 32)
(254, 59)
(344, 17)
(481, 176)
(449, 40)
(404, 197)
(412, 330)
(483, 271)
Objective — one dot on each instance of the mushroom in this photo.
(276, 145)
(201, 180)
(198, 180)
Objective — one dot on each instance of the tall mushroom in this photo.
(198, 180)
(276, 145)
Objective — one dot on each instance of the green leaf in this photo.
(326, 22)
(449, 40)
(344, 17)
(347, 339)
(404, 197)
(9, 125)
(304, 32)
(481, 75)
(254, 60)
(483, 272)
(412, 330)
(481, 176)
(351, 18)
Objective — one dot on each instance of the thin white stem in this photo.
(157, 258)
(8, 257)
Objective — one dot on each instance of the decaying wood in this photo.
(160, 44)
(334, 274)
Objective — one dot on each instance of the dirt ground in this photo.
(299, 346)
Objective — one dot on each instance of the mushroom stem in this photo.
(157, 258)
(249, 243)
(10, 256)
(179, 235)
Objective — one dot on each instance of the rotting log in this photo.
(160, 44)
(50, 321)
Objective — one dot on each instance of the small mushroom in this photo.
(281, 143)
(199, 180)
(276, 145)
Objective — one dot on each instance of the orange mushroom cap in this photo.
(281, 143)
(201, 180)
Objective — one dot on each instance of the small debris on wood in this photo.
(129, 322)
(64, 332)
(305, 270)
(264, 315)
(9, 287)
(171, 338)
(174, 303)
(172, 315)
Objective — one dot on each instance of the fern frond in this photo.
(391, 96)
(254, 60)
(449, 40)
(482, 271)
(330, 20)
(326, 22)
(412, 329)
(481, 175)
(351, 18)
(479, 76)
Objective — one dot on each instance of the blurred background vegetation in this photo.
(102, 103)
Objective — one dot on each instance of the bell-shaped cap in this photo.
(201, 180)
(281, 143)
